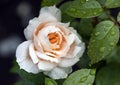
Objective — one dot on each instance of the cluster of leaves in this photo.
(100, 64)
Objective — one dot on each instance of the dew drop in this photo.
(109, 49)
(92, 72)
(111, 44)
(75, 14)
(92, 41)
(97, 33)
(82, 2)
(113, 33)
(102, 49)
(116, 4)
(95, 13)
(83, 79)
(84, 12)
(105, 29)
(72, 9)
(89, 83)
(87, 0)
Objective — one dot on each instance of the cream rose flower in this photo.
(52, 47)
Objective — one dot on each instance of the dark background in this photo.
(14, 17)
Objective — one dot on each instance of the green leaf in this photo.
(108, 75)
(112, 3)
(103, 16)
(81, 77)
(66, 18)
(118, 17)
(49, 81)
(102, 2)
(115, 55)
(84, 61)
(36, 78)
(24, 83)
(49, 2)
(85, 27)
(82, 8)
(103, 40)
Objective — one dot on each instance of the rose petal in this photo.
(23, 58)
(77, 52)
(48, 58)
(81, 48)
(46, 65)
(52, 10)
(22, 51)
(28, 66)
(33, 55)
(70, 39)
(77, 36)
(59, 73)
(37, 44)
(67, 62)
(44, 17)
(43, 36)
(28, 32)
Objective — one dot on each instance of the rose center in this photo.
(53, 38)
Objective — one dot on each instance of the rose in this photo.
(52, 47)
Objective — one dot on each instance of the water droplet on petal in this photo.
(102, 49)
(83, 79)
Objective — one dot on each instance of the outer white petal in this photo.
(67, 62)
(33, 54)
(46, 65)
(22, 51)
(70, 39)
(52, 10)
(33, 24)
(23, 58)
(80, 53)
(47, 58)
(59, 73)
(77, 36)
(47, 17)
(77, 52)
(66, 25)
(28, 66)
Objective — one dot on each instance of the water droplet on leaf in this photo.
(102, 49)
(111, 44)
(113, 33)
(72, 9)
(83, 79)
(97, 33)
(84, 12)
(92, 72)
(89, 84)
